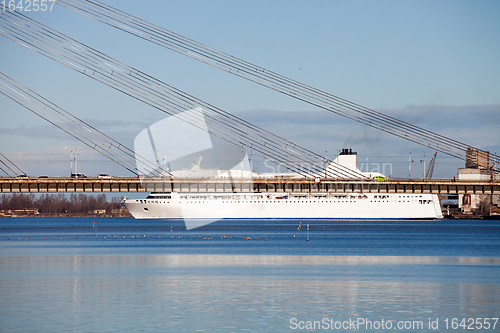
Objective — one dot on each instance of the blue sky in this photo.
(435, 63)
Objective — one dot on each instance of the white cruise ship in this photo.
(289, 205)
(216, 206)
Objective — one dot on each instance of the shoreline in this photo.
(121, 214)
(127, 214)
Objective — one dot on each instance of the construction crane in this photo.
(430, 169)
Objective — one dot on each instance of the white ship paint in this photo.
(284, 206)
(215, 206)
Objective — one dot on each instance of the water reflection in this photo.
(234, 292)
(55, 276)
(209, 260)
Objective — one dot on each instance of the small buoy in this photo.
(266, 238)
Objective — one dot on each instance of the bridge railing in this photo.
(55, 185)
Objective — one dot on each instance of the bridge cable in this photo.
(37, 109)
(15, 166)
(19, 31)
(72, 125)
(157, 35)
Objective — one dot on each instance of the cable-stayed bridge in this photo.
(161, 96)
(234, 185)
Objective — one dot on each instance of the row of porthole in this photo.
(160, 202)
(260, 202)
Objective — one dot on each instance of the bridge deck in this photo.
(58, 185)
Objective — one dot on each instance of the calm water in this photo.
(231, 276)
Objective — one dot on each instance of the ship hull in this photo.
(216, 206)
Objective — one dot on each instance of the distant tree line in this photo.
(59, 203)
